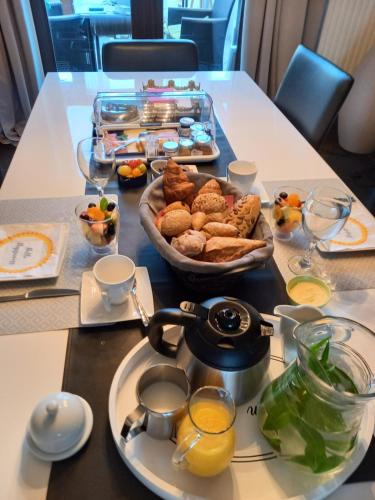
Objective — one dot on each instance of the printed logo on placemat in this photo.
(354, 233)
(24, 251)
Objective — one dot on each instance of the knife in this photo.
(42, 293)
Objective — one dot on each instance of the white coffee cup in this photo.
(115, 276)
(242, 174)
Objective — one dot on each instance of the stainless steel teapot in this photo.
(225, 342)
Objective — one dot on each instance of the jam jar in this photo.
(185, 147)
(196, 129)
(185, 123)
(170, 148)
(203, 143)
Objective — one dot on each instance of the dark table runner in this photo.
(93, 355)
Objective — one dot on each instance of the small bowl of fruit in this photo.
(132, 174)
(99, 224)
(287, 211)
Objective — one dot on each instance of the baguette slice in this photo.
(225, 249)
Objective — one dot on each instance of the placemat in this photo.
(345, 271)
(63, 312)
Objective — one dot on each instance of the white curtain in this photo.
(21, 69)
(272, 30)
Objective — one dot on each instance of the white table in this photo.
(44, 166)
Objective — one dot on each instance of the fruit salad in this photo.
(132, 168)
(99, 222)
(287, 211)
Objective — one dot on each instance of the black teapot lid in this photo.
(231, 334)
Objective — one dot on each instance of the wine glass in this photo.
(97, 161)
(324, 214)
(97, 111)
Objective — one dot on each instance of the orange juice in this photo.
(213, 452)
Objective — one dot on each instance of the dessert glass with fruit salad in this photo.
(99, 224)
(286, 214)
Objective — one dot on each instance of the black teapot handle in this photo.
(167, 317)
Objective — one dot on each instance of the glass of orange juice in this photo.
(205, 436)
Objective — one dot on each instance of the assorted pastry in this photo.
(205, 224)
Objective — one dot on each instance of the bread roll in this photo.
(212, 186)
(220, 229)
(198, 220)
(176, 205)
(222, 249)
(191, 243)
(208, 203)
(216, 216)
(175, 222)
(244, 214)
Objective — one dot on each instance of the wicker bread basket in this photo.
(196, 273)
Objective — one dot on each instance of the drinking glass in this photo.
(205, 436)
(101, 235)
(286, 212)
(97, 161)
(151, 146)
(97, 111)
(324, 214)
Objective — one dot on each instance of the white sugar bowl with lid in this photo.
(59, 426)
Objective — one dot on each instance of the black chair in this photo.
(73, 43)
(311, 93)
(150, 55)
(207, 28)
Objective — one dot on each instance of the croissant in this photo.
(176, 185)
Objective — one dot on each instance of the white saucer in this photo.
(93, 311)
(54, 457)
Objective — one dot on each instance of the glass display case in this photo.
(158, 124)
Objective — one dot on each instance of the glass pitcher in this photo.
(311, 413)
(205, 436)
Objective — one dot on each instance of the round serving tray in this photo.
(255, 473)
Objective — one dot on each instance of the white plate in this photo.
(255, 472)
(357, 235)
(54, 457)
(92, 308)
(56, 232)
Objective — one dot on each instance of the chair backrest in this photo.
(66, 26)
(150, 55)
(221, 9)
(311, 93)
